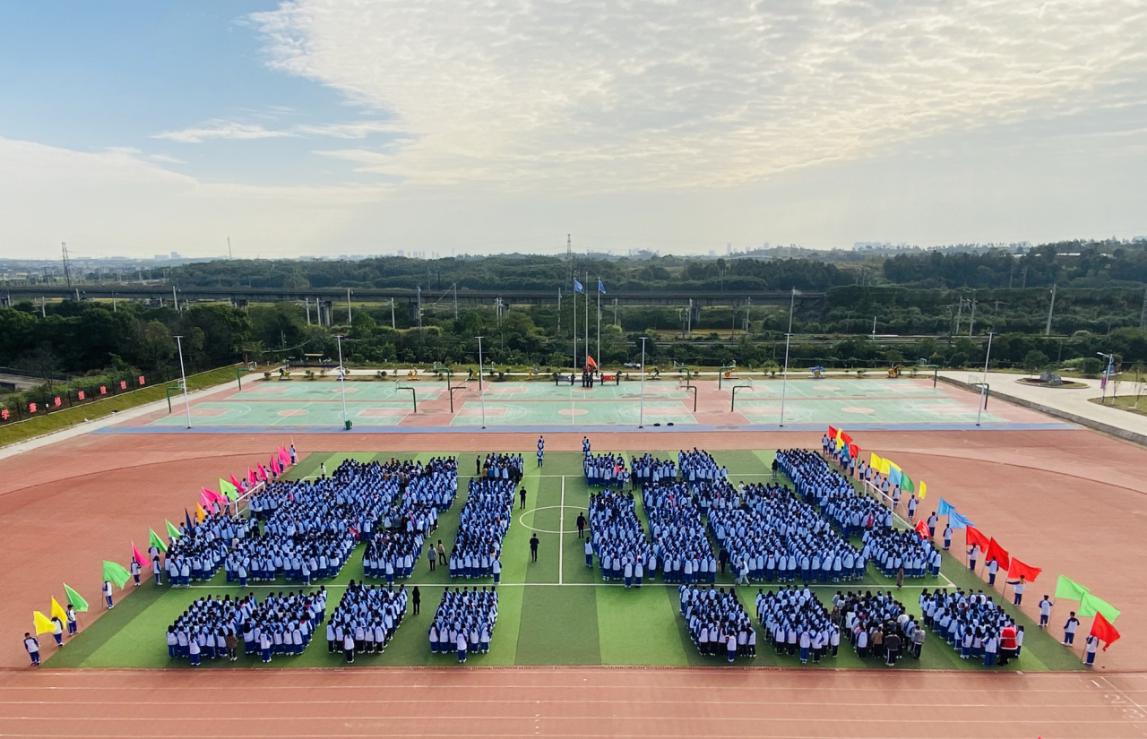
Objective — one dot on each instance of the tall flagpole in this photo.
(586, 319)
(575, 324)
(599, 321)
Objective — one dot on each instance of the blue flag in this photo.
(578, 287)
(957, 521)
(944, 508)
(600, 286)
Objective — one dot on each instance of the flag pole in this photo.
(575, 326)
(599, 320)
(586, 320)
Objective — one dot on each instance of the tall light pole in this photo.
(1107, 372)
(342, 378)
(481, 395)
(183, 379)
(785, 372)
(988, 357)
(641, 417)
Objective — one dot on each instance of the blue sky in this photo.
(326, 126)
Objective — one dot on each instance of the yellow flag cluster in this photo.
(896, 474)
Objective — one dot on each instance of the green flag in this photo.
(116, 573)
(1090, 604)
(1065, 587)
(172, 530)
(228, 489)
(906, 483)
(76, 599)
(154, 540)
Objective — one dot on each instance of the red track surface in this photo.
(1073, 502)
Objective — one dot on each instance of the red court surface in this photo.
(1073, 502)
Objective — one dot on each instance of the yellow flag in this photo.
(885, 465)
(200, 513)
(58, 611)
(923, 489)
(839, 443)
(874, 461)
(43, 623)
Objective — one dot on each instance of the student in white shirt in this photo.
(32, 647)
(1089, 648)
(1045, 607)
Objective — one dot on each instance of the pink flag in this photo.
(205, 499)
(262, 472)
(251, 476)
(284, 457)
(213, 497)
(275, 465)
(235, 481)
(138, 556)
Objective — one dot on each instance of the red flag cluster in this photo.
(992, 549)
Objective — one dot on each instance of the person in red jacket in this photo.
(1007, 643)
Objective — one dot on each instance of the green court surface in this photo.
(553, 612)
(383, 405)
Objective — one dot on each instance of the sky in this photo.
(328, 127)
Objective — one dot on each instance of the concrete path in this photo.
(1068, 403)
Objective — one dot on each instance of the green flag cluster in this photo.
(1089, 604)
(155, 540)
(116, 573)
(172, 530)
(76, 599)
(229, 490)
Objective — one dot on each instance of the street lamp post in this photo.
(1107, 372)
(988, 357)
(641, 416)
(183, 379)
(785, 372)
(481, 395)
(342, 379)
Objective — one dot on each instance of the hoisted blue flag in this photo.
(600, 286)
(578, 287)
(944, 508)
(894, 476)
(957, 521)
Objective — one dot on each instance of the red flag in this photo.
(832, 432)
(262, 472)
(922, 529)
(853, 451)
(998, 553)
(235, 481)
(1020, 569)
(251, 476)
(284, 458)
(973, 536)
(138, 556)
(589, 362)
(275, 465)
(1102, 629)
(846, 437)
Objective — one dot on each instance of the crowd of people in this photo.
(482, 526)
(972, 624)
(421, 492)
(197, 554)
(901, 553)
(717, 622)
(618, 539)
(878, 625)
(796, 622)
(213, 627)
(605, 469)
(500, 467)
(679, 540)
(650, 470)
(464, 622)
(698, 465)
(769, 535)
(366, 619)
(851, 511)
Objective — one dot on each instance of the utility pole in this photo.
(419, 310)
(183, 378)
(348, 315)
(481, 395)
(307, 308)
(1050, 310)
(392, 324)
(455, 287)
(615, 323)
(874, 327)
(641, 417)
(972, 322)
(175, 298)
(1142, 314)
(959, 315)
(688, 318)
(748, 313)
(788, 340)
(67, 266)
(988, 356)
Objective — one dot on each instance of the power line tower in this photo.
(67, 265)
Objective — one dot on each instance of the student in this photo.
(973, 555)
(172, 643)
(194, 652)
(1045, 607)
(947, 537)
(1017, 590)
(461, 644)
(731, 648)
(265, 643)
(1069, 628)
(108, 594)
(541, 450)
(155, 569)
(431, 557)
(1089, 648)
(993, 568)
(416, 599)
(496, 570)
(73, 621)
(232, 644)
(135, 571)
(533, 548)
(58, 631)
(294, 454)
(32, 647)
(588, 553)
(522, 498)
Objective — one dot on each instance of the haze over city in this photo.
(319, 127)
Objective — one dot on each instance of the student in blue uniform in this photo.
(32, 647)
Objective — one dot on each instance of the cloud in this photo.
(221, 130)
(674, 95)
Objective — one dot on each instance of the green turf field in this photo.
(554, 612)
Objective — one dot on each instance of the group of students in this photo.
(366, 619)
(717, 622)
(878, 625)
(464, 622)
(901, 553)
(796, 623)
(697, 465)
(618, 539)
(650, 470)
(213, 627)
(679, 540)
(769, 535)
(499, 467)
(852, 512)
(424, 490)
(605, 469)
(482, 526)
(973, 624)
(200, 549)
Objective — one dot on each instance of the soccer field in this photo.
(553, 612)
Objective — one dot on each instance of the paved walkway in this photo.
(1074, 401)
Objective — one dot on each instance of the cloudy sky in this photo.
(342, 126)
